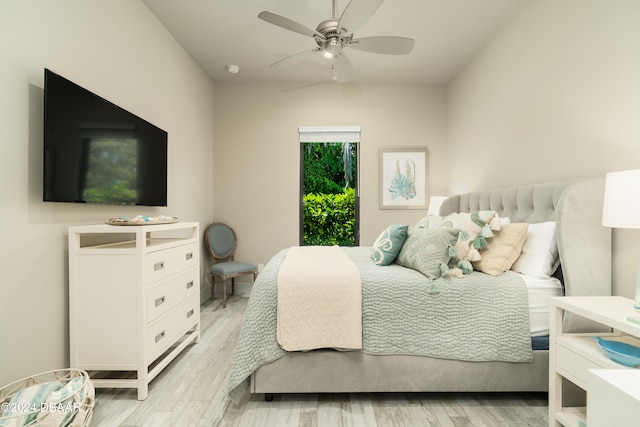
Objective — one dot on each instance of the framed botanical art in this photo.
(403, 178)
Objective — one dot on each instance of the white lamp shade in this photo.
(622, 199)
(434, 204)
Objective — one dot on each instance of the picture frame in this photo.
(403, 178)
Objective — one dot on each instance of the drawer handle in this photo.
(189, 256)
(190, 285)
(160, 336)
(160, 300)
(158, 266)
(190, 313)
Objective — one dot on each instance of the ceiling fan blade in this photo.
(384, 45)
(288, 24)
(342, 68)
(295, 58)
(357, 13)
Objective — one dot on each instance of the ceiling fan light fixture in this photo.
(332, 48)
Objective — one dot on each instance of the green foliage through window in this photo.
(329, 168)
(329, 212)
(330, 219)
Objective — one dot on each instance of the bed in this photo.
(584, 248)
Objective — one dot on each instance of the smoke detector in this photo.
(233, 69)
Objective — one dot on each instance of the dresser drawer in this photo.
(573, 366)
(165, 263)
(164, 333)
(167, 295)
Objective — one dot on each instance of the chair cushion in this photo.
(232, 267)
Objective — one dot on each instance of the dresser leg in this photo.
(143, 384)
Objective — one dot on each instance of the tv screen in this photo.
(97, 152)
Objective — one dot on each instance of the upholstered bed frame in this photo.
(585, 255)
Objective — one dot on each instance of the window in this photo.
(329, 194)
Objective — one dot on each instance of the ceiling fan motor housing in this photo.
(332, 37)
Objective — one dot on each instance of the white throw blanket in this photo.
(319, 300)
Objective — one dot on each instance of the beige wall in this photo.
(257, 157)
(554, 95)
(116, 49)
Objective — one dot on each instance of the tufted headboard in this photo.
(584, 244)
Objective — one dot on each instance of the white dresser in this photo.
(134, 300)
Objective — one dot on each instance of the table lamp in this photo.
(621, 208)
(434, 204)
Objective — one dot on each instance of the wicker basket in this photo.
(71, 404)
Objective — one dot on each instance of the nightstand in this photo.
(572, 355)
(613, 397)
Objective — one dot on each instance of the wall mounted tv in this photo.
(97, 152)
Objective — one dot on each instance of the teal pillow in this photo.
(428, 250)
(387, 246)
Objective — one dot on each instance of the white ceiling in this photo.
(217, 33)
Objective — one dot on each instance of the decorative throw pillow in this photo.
(387, 246)
(430, 221)
(428, 250)
(475, 228)
(504, 249)
(539, 257)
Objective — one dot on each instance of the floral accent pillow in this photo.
(387, 246)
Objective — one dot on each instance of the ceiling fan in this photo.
(335, 34)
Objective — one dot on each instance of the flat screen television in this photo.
(97, 152)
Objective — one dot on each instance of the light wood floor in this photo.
(191, 391)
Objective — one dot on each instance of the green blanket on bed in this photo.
(475, 318)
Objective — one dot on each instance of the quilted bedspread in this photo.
(475, 318)
(319, 300)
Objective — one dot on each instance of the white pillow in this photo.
(539, 257)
